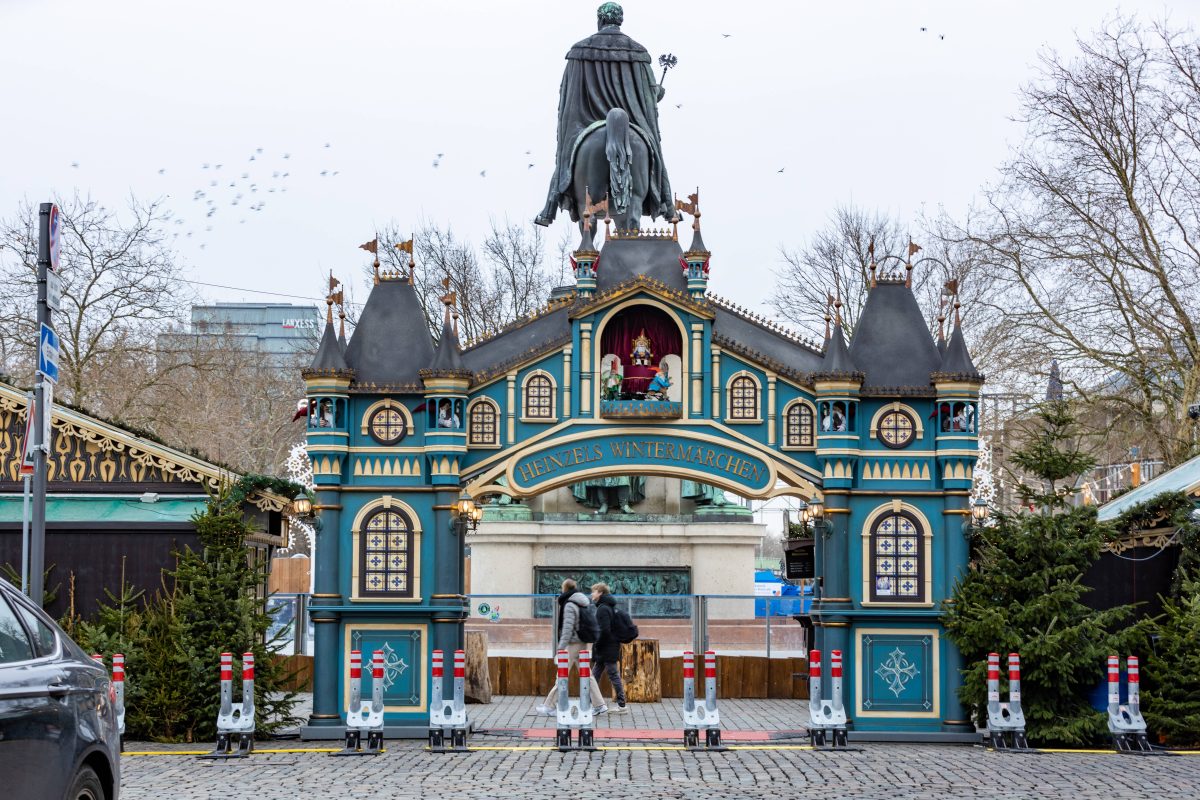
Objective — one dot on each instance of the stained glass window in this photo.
(743, 398)
(483, 430)
(539, 398)
(896, 429)
(897, 553)
(798, 426)
(386, 551)
(388, 426)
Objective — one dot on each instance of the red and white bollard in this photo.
(448, 718)
(826, 716)
(235, 721)
(586, 733)
(1125, 722)
(364, 716)
(1005, 718)
(700, 715)
(571, 713)
(118, 677)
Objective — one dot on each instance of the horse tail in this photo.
(616, 149)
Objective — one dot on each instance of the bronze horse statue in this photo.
(613, 162)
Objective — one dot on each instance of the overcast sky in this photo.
(852, 100)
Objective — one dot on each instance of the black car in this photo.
(58, 719)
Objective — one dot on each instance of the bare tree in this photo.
(835, 261)
(509, 281)
(121, 287)
(1092, 235)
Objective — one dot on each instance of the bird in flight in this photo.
(287, 155)
(531, 166)
(75, 164)
(726, 35)
(483, 173)
(327, 144)
(162, 172)
(679, 105)
(781, 169)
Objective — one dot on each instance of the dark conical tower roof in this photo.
(390, 344)
(447, 358)
(891, 344)
(329, 358)
(957, 360)
(837, 362)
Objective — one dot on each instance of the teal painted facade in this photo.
(753, 410)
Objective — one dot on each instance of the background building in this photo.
(278, 331)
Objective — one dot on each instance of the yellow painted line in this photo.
(1087, 751)
(206, 752)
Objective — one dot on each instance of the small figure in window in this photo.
(610, 380)
(643, 352)
(944, 417)
(657, 390)
(826, 421)
(325, 418)
(446, 416)
(839, 418)
(960, 418)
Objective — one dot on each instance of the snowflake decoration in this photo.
(897, 670)
(984, 486)
(299, 470)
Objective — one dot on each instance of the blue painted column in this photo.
(836, 627)
(446, 599)
(326, 627)
(955, 550)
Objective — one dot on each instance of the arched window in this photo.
(386, 555)
(538, 398)
(483, 426)
(743, 398)
(897, 560)
(798, 425)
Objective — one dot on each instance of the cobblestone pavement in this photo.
(520, 768)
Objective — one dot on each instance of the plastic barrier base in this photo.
(227, 741)
(562, 739)
(1009, 742)
(836, 738)
(354, 744)
(1134, 743)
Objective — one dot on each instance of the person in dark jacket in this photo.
(566, 622)
(606, 653)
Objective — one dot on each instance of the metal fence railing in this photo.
(523, 624)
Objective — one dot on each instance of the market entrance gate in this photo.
(640, 370)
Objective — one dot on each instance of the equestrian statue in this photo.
(608, 139)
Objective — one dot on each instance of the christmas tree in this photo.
(219, 607)
(1023, 594)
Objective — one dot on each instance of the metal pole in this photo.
(25, 534)
(37, 538)
(770, 612)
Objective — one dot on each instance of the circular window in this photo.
(896, 429)
(388, 426)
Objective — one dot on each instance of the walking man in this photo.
(571, 608)
(606, 654)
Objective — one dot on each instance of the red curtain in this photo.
(660, 329)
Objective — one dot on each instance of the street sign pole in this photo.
(48, 235)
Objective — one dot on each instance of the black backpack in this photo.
(623, 628)
(588, 630)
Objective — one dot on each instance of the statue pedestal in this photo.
(682, 552)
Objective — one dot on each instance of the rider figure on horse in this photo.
(607, 74)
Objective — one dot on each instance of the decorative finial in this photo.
(913, 249)
(341, 321)
(873, 266)
(837, 304)
(828, 313)
(951, 290)
(941, 318)
(333, 297)
(407, 247)
(371, 247)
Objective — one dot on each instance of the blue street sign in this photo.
(48, 354)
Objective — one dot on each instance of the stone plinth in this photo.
(720, 555)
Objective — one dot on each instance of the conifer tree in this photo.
(1172, 706)
(219, 608)
(1023, 593)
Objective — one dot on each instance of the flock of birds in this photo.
(227, 191)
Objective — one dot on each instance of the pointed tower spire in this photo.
(1054, 386)
(447, 360)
